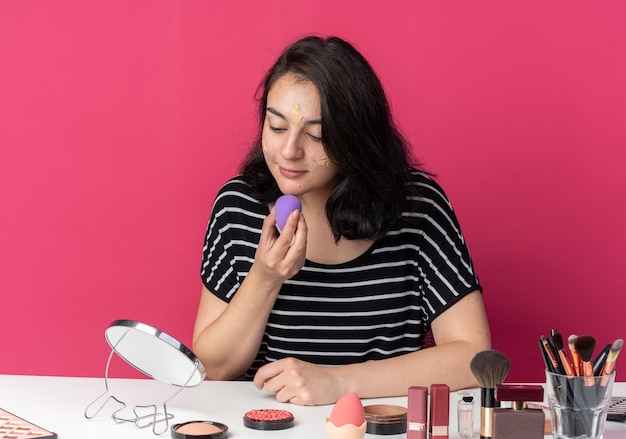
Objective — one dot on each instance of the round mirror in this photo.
(155, 353)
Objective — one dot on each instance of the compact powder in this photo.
(268, 419)
(385, 419)
(200, 430)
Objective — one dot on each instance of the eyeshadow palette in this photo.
(14, 427)
(617, 409)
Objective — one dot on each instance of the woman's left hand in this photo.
(300, 382)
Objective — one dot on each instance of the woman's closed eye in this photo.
(314, 137)
(277, 129)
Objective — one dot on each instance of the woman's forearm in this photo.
(447, 364)
(228, 344)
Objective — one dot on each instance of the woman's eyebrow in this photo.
(277, 113)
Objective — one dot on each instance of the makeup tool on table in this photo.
(579, 386)
(609, 365)
(12, 426)
(490, 368)
(585, 344)
(159, 356)
(347, 419)
(576, 364)
(550, 353)
(598, 362)
(557, 342)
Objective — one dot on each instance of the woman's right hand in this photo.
(227, 335)
(281, 257)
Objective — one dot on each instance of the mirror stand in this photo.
(152, 416)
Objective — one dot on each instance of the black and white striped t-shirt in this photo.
(378, 305)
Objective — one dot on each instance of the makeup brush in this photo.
(598, 362)
(585, 344)
(609, 365)
(490, 368)
(557, 339)
(571, 340)
(545, 357)
(556, 364)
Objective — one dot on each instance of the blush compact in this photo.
(200, 430)
(268, 419)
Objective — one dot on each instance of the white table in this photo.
(58, 404)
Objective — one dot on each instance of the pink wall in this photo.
(119, 120)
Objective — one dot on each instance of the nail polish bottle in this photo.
(518, 422)
(465, 416)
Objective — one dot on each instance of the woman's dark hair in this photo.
(358, 134)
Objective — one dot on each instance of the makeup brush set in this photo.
(579, 385)
(580, 361)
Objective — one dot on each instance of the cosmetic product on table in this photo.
(617, 409)
(268, 419)
(519, 421)
(490, 368)
(199, 430)
(417, 415)
(385, 419)
(465, 414)
(439, 411)
(12, 426)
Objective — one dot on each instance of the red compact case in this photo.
(417, 412)
(518, 422)
(439, 411)
(268, 419)
(519, 392)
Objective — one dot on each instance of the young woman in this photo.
(341, 299)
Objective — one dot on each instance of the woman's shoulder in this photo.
(235, 193)
(425, 187)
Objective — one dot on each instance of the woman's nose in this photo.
(292, 148)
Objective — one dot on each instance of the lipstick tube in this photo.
(417, 412)
(439, 411)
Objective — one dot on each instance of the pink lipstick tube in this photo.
(417, 412)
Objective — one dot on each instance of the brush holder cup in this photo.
(578, 405)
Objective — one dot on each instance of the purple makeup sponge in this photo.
(283, 208)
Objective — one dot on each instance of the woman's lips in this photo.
(290, 173)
